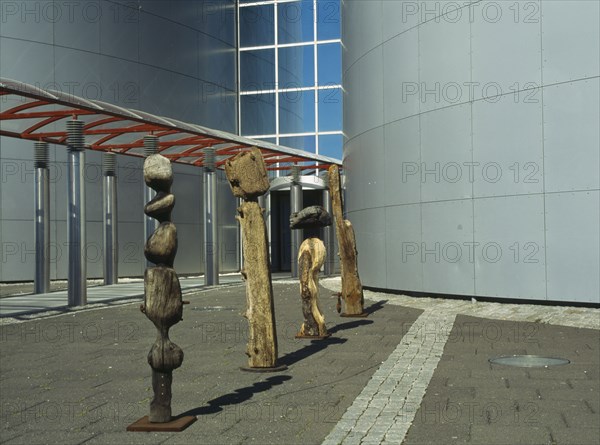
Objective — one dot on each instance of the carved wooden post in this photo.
(311, 256)
(352, 292)
(247, 175)
(162, 298)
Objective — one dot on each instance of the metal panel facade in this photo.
(489, 180)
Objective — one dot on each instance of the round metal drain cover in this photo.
(529, 361)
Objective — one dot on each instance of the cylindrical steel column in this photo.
(110, 219)
(77, 275)
(42, 219)
(328, 233)
(295, 206)
(150, 148)
(211, 241)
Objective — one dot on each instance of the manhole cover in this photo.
(529, 361)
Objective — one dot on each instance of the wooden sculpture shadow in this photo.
(308, 350)
(375, 307)
(237, 396)
(349, 325)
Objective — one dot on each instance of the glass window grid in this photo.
(315, 43)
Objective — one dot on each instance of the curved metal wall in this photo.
(472, 150)
(171, 58)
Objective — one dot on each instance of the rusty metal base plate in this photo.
(312, 337)
(273, 369)
(363, 315)
(177, 424)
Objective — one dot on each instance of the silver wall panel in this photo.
(130, 188)
(369, 229)
(27, 62)
(362, 38)
(444, 226)
(189, 250)
(81, 19)
(509, 248)
(31, 21)
(366, 185)
(402, 166)
(445, 147)
(400, 79)
(120, 82)
(508, 64)
(496, 141)
(178, 53)
(403, 249)
(398, 17)
(573, 246)
(507, 162)
(16, 189)
(119, 30)
(18, 250)
(572, 136)
(444, 60)
(131, 248)
(94, 248)
(368, 81)
(570, 42)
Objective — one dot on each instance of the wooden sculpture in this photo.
(352, 292)
(311, 256)
(162, 298)
(247, 176)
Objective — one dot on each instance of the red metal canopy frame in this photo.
(27, 112)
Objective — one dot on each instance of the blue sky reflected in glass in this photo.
(296, 67)
(295, 22)
(257, 25)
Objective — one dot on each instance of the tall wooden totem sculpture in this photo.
(352, 292)
(247, 176)
(162, 298)
(311, 256)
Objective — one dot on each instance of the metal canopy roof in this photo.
(27, 112)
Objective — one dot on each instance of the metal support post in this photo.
(42, 219)
(110, 219)
(77, 275)
(150, 148)
(211, 242)
(295, 206)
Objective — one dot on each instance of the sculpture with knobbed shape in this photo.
(162, 293)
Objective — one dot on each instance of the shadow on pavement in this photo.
(375, 307)
(238, 396)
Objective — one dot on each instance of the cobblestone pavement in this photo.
(416, 371)
(469, 400)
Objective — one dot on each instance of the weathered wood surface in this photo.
(311, 256)
(247, 175)
(162, 292)
(352, 292)
(310, 217)
(260, 312)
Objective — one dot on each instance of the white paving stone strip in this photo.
(576, 317)
(384, 410)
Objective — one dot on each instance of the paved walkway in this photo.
(416, 371)
(30, 305)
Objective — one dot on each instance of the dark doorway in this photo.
(281, 255)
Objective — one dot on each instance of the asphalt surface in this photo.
(415, 371)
